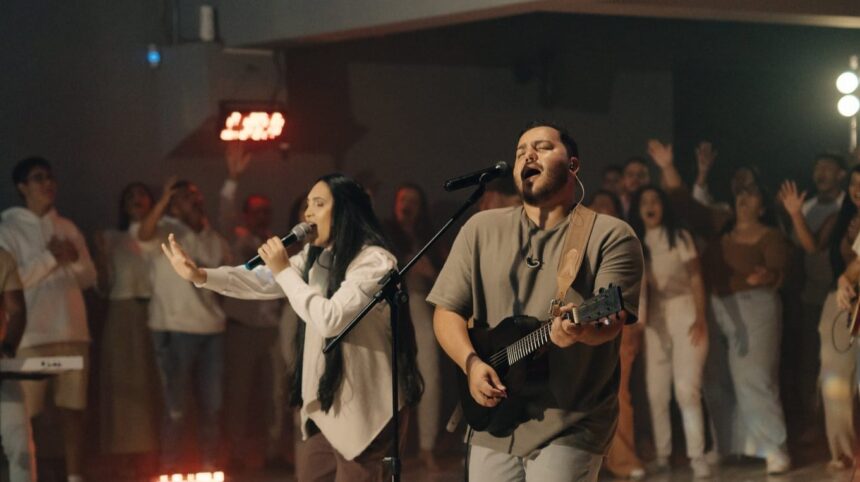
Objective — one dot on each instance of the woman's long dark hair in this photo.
(846, 213)
(124, 218)
(669, 221)
(354, 226)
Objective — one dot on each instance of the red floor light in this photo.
(197, 477)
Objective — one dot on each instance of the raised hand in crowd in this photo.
(706, 155)
(149, 223)
(791, 199)
(238, 159)
(661, 153)
(664, 157)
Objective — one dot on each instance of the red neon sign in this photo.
(252, 126)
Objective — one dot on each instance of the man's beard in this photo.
(555, 181)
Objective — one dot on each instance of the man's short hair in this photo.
(832, 157)
(23, 168)
(566, 139)
(634, 160)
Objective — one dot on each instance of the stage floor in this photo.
(748, 470)
(734, 472)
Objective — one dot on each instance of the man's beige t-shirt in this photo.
(486, 278)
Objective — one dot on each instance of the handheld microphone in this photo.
(297, 234)
(476, 177)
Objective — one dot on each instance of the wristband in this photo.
(469, 360)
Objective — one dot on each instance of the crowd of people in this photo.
(714, 293)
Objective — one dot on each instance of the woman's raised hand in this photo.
(181, 262)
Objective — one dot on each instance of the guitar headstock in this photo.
(606, 302)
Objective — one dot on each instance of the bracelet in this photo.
(469, 360)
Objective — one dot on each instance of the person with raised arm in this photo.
(187, 324)
(344, 396)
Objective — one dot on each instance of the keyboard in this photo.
(38, 367)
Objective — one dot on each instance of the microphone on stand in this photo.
(297, 234)
(474, 178)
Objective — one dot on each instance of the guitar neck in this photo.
(607, 301)
(527, 345)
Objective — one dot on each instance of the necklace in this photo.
(532, 261)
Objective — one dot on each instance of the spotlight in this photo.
(848, 105)
(153, 56)
(847, 82)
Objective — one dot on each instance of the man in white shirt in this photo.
(55, 266)
(187, 323)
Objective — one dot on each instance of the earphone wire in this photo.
(581, 188)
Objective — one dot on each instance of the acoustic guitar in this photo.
(512, 349)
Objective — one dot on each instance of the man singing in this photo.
(504, 262)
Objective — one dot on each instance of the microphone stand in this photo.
(392, 292)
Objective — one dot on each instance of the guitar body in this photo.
(513, 349)
(502, 419)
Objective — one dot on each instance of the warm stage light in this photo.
(848, 105)
(198, 477)
(847, 82)
(251, 121)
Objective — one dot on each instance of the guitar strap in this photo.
(578, 232)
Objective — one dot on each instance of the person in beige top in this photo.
(128, 422)
(504, 262)
(16, 437)
(345, 394)
(745, 267)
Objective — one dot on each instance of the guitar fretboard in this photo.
(607, 302)
(528, 344)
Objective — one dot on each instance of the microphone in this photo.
(485, 175)
(297, 234)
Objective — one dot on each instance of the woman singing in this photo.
(345, 394)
